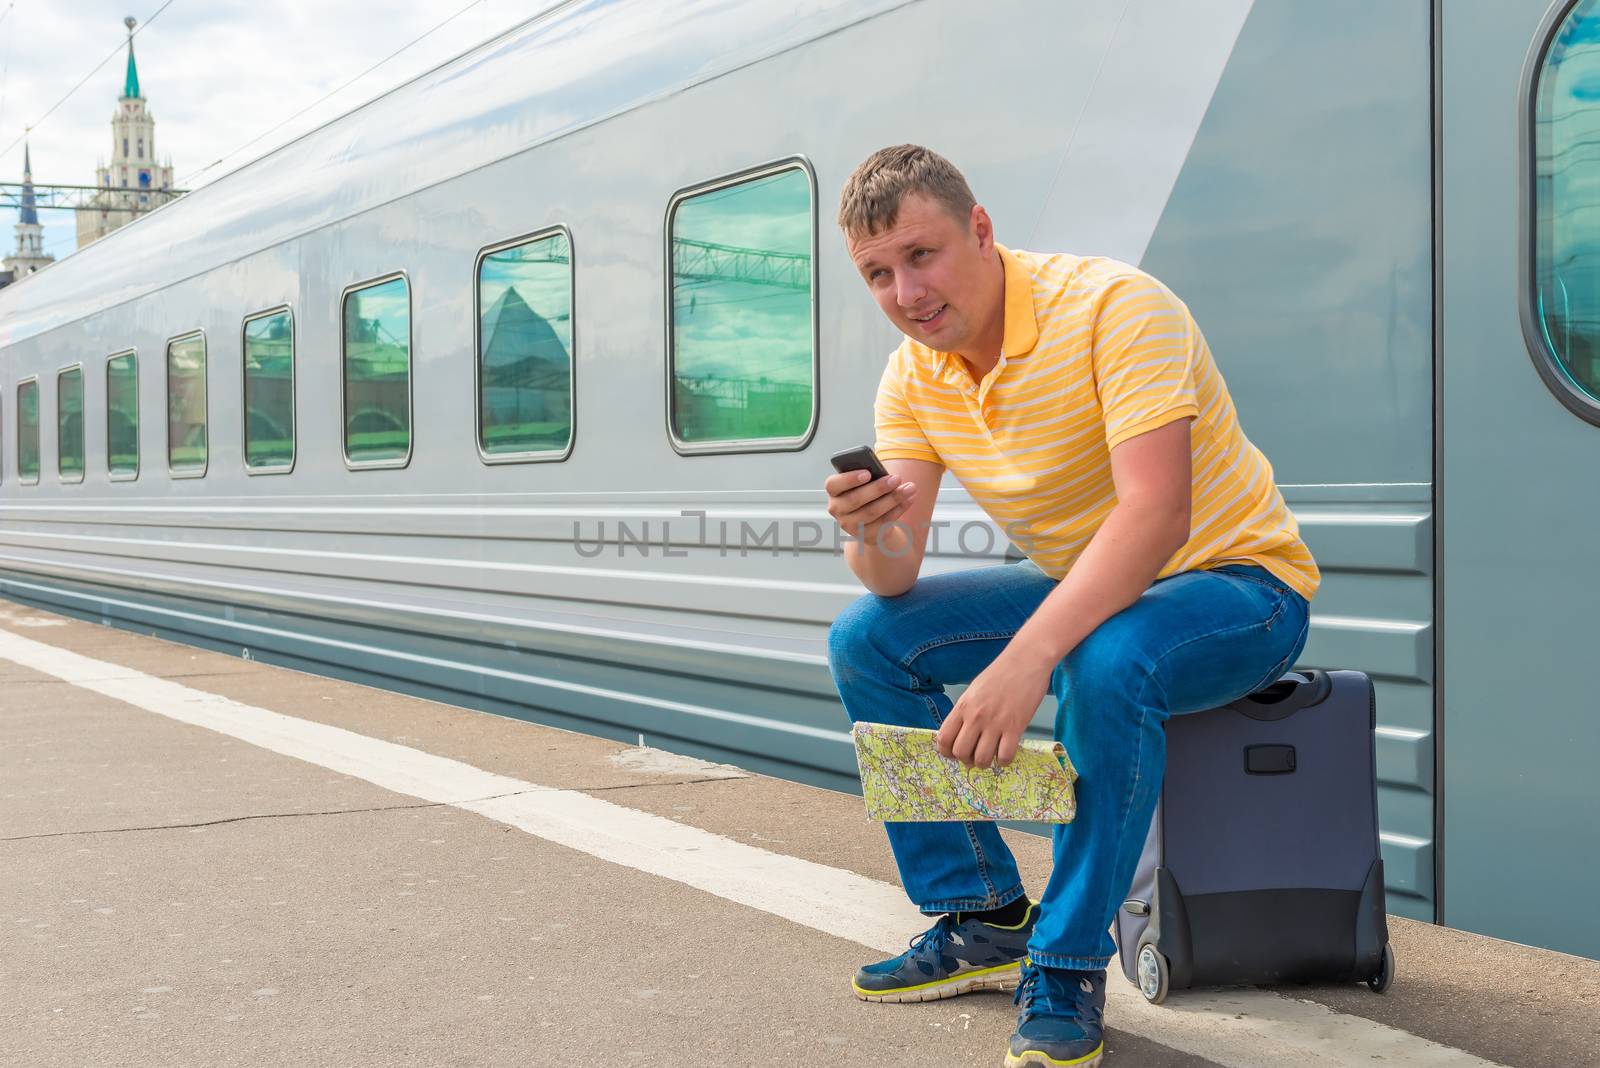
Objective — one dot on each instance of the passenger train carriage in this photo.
(516, 386)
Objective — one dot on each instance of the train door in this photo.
(1519, 163)
(1300, 232)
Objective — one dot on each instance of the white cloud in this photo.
(216, 73)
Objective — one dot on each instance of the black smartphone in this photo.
(860, 458)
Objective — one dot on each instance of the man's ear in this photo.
(983, 229)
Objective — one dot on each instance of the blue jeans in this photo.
(1191, 642)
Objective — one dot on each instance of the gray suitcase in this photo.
(1262, 865)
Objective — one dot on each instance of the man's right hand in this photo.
(886, 558)
(863, 508)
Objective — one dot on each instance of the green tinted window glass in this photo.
(69, 423)
(1566, 200)
(377, 372)
(28, 430)
(525, 348)
(742, 344)
(122, 414)
(186, 404)
(269, 391)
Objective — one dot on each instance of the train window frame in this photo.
(1541, 348)
(138, 408)
(205, 396)
(537, 456)
(294, 400)
(38, 447)
(83, 430)
(799, 442)
(411, 375)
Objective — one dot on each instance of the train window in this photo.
(69, 423)
(741, 312)
(525, 349)
(186, 406)
(1562, 315)
(28, 431)
(122, 416)
(376, 383)
(268, 348)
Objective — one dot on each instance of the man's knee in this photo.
(850, 635)
(1109, 674)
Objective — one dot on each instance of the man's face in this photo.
(928, 272)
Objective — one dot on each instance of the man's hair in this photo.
(871, 197)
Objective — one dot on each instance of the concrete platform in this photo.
(175, 894)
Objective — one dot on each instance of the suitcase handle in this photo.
(1297, 690)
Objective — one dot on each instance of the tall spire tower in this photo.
(30, 205)
(134, 182)
(29, 255)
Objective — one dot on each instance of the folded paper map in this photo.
(904, 777)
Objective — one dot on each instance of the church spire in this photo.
(30, 213)
(29, 255)
(130, 87)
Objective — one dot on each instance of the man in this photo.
(1077, 402)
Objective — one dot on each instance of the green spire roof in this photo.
(130, 88)
(30, 213)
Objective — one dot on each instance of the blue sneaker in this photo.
(1061, 1019)
(950, 958)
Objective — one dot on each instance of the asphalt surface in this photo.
(174, 895)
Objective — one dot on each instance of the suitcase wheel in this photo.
(1380, 982)
(1154, 974)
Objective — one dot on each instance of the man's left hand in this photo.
(986, 725)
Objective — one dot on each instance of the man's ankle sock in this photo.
(1010, 915)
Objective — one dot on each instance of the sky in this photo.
(215, 75)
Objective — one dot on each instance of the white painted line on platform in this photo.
(1237, 1028)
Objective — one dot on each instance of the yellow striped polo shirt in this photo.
(1095, 352)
